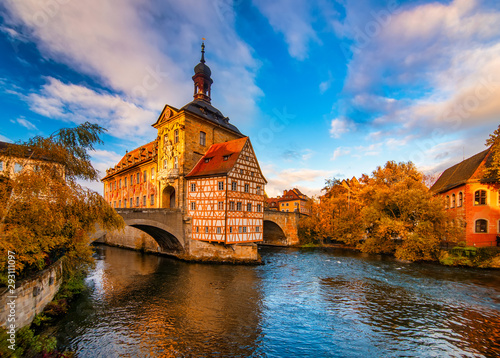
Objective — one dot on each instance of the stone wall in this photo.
(204, 251)
(31, 296)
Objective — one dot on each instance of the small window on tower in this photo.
(176, 136)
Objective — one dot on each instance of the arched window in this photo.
(480, 197)
(481, 226)
(453, 200)
(460, 199)
(447, 204)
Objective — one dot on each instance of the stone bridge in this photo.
(281, 228)
(171, 232)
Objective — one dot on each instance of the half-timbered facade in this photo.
(225, 195)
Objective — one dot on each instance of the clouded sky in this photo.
(323, 88)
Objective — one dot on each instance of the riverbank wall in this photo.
(30, 297)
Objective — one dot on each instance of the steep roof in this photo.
(133, 158)
(460, 173)
(213, 163)
(294, 193)
(209, 112)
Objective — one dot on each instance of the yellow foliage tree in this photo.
(47, 214)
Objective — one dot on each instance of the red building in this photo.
(473, 198)
(225, 194)
(291, 201)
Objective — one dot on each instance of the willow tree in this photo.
(46, 213)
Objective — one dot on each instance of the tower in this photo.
(201, 78)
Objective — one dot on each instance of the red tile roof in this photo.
(213, 163)
(137, 156)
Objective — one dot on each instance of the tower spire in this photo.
(203, 51)
(202, 80)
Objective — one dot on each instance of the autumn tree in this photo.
(493, 168)
(46, 213)
(403, 216)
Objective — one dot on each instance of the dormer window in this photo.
(208, 159)
(226, 157)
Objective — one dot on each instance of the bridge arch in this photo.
(273, 234)
(281, 228)
(160, 232)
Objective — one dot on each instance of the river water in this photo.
(301, 303)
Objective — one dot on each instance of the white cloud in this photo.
(77, 104)
(142, 49)
(293, 19)
(309, 180)
(25, 123)
(339, 152)
(5, 139)
(340, 126)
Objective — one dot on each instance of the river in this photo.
(301, 303)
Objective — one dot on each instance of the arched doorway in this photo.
(168, 197)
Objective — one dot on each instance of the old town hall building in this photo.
(200, 164)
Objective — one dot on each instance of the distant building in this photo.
(15, 158)
(291, 201)
(196, 153)
(473, 198)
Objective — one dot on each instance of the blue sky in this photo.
(323, 88)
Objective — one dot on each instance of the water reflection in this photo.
(306, 303)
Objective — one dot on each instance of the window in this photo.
(218, 230)
(207, 159)
(176, 136)
(131, 202)
(225, 157)
(203, 138)
(247, 188)
(453, 200)
(165, 164)
(480, 197)
(238, 206)
(138, 180)
(145, 176)
(144, 200)
(249, 207)
(206, 229)
(131, 179)
(460, 199)
(221, 185)
(193, 205)
(259, 208)
(176, 163)
(231, 206)
(114, 204)
(125, 203)
(119, 203)
(481, 226)
(241, 171)
(244, 229)
(193, 186)
(137, 201)
(234, 185)
(120, 184)
(1, 165)
(447, 202)
(257, 229)
(152, 173)
(220, 205)
(17, 167)
(258, 190)
(240, 229)
(125, 182)
(230, 229)
(152, 202)
(197, 229)
(286, 204)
